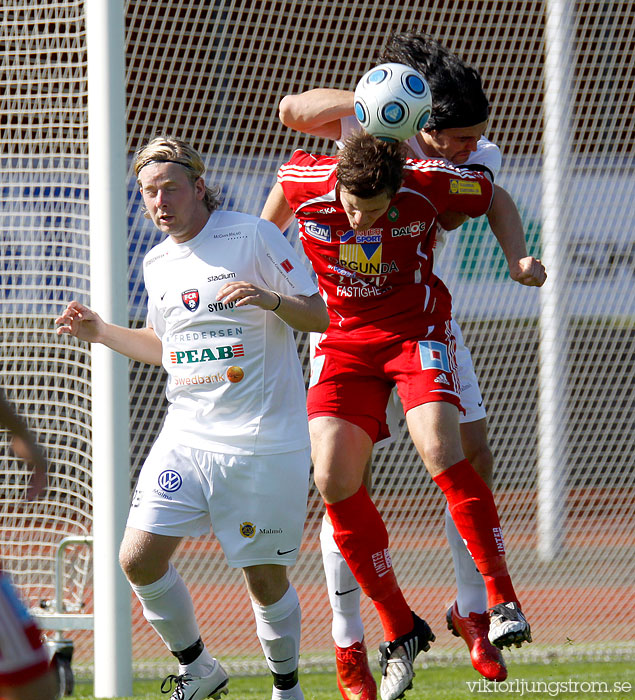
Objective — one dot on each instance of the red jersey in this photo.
(380, 278)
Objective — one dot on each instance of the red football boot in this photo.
(486, 658)
(354, 678)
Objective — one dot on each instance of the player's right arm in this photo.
(277, 210)
(140, 344)
(317, 112)
(507, 226)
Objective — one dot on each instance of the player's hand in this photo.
(529, 271)
(31, 453)
(247, 294)
(81, 322)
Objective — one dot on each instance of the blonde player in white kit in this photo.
(224, 291)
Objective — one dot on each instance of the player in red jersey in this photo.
(25, 667)
(368, 222)
(454, 132)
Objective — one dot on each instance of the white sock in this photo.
(293, 694)
(344, 591)
(471, 594)
(167, 606)
(278, 629)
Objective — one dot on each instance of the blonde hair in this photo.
(166, 149)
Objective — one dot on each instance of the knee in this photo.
(435, 455)
(131, 563)
(267, 583)
(338, 484)
(481, 458)
(139, 569)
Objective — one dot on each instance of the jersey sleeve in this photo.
(347, 126)
(299, 177)
(487, 155)
(154, 317)
(452, 188)
(471, 193)
(279, 264)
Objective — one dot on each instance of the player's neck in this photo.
(427, 149)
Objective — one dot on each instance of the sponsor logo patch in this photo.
(235, 374)
(415, 228)
(247, 529)
(464, 187)
(220, 306)
(382, 562)
(205, 379)
(224, 276)
(286, 265)
(372, 235)
(346, 236)
(223, 352)
(316, 230)
(393, 214)
(190, 299)
(498, 538)
(365, 259)
(170, 481)
(433, 355)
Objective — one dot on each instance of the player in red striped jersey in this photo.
(368, 223)
(454, 132)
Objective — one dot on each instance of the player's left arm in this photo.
(507, 226)
(304, 313)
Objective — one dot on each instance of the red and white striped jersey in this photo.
(381, 277)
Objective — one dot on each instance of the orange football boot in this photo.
(354, 677)
(486, 658)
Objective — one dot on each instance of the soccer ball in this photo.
(392, 102)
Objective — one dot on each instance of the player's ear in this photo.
(199, 188)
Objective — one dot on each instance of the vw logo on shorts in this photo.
(170, 480)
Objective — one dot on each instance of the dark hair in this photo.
(167, 149)
(458, 98)
(367, 167)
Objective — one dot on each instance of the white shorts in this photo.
(23, 657)
(471, 398)
(255, 504)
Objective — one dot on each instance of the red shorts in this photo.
(23, 657)
(352, 376)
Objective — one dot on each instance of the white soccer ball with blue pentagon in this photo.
(392, 102)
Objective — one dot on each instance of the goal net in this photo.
(213, 74)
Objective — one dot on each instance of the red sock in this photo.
(362, 538)
(474, 513)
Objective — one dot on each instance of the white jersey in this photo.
(235, 383)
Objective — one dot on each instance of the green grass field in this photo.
(537, 681)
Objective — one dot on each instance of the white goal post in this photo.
(554, 365)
